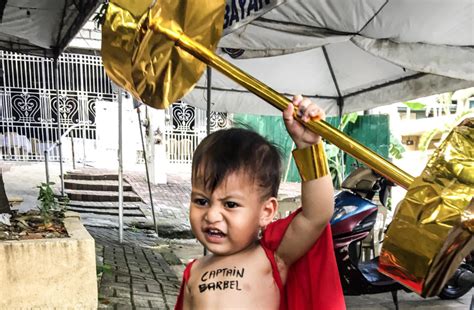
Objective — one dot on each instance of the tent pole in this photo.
(340, 99)
(120, 166)
(331, 70)
(340, 102)
(146, 169)
(208, 109)
(58, 103)
(340, 105)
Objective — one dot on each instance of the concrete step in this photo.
(111, 221)
(106, 205)
(100, 211)
(90, 176)
(100, 195)
(95, 185)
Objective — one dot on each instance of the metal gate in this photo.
(29, 108)
(185, 128)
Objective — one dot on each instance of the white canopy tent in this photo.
(348, 55)
(42, 28)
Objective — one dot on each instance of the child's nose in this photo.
(213, 215)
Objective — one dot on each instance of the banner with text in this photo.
(241, 12)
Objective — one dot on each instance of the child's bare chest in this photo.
(234, 282)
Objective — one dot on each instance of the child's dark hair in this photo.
(237, 150)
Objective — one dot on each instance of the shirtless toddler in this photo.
(235, 180)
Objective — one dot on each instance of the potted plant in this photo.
(49, 260)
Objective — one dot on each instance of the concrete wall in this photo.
(49, 273)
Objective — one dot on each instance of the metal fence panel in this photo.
(29, 109)
(29, 106)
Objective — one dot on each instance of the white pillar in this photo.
(120, 165)
(158, 162)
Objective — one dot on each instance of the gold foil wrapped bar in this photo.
(311, 162)
(154, 50)
(433, 226)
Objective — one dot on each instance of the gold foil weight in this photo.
(432, 229)
(146, 62)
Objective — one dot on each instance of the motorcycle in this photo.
(354, 217)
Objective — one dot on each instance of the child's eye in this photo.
(231, 205)
(200, 201)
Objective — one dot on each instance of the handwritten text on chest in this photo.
(209, 282)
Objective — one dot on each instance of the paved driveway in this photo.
(407, 301)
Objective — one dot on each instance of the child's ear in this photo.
(268, 211)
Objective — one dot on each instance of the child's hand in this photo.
(307, 110)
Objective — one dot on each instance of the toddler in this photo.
(256, 263)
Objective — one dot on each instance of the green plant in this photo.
(101, 269)
(133, 227)
(413, 105)
(49, 204)
(335, 155)
(396, 148)
(388, 204)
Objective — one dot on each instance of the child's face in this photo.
(228, 219)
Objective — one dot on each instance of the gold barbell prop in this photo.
(159, 21)
(158, 49)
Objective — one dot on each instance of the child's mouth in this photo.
(213, 233)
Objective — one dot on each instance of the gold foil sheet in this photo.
(433, 225)
(147, 63)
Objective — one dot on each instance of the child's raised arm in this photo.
(317, 192)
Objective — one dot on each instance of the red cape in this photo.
(313, 281)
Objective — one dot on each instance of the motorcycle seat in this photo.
(372, 275)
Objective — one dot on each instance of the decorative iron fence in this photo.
(29, 106)
(29, 109)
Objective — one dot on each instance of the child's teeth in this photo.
(215, 231)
